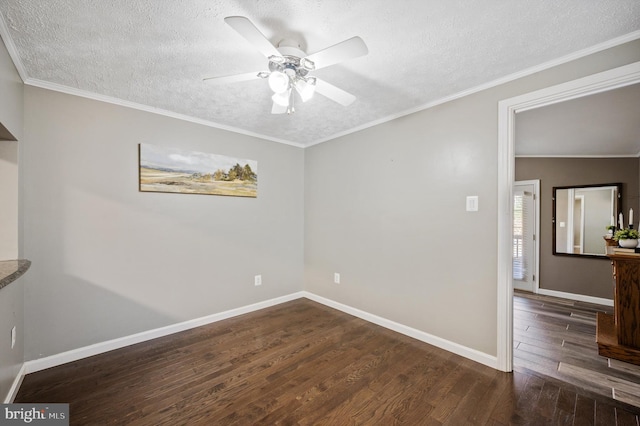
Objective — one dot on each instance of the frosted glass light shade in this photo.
(278, 82)
(306, 88)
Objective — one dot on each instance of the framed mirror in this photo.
(581, 215)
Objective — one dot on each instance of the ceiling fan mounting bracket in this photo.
(290, 47)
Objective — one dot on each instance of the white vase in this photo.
(628, 243)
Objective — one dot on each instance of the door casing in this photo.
(507, 108)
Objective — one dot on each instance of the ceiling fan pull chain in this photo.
(291, 109)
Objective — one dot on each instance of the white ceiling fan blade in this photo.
(278, 109)
(348, 49)
(232, 78)
(334, 93)
(246, 29)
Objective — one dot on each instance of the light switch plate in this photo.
(472, 203)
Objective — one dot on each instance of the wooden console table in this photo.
(618, 335)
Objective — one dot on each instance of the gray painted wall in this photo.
(562, 215)
(377, 206)
(385, 207)
(11, 111)
(109, 261)
(11, 88)
(11, 314)
(9, 197)
(11, 297)
(597, 215)
(578, 275)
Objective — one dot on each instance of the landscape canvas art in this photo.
(174, 170)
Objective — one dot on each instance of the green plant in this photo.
(626, 234)
(611, 228)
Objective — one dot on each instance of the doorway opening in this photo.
(615, 78)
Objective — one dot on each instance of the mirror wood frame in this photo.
(619, 210)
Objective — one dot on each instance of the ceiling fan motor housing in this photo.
(291, 62)
(289, 65)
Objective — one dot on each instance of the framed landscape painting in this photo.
(163, 169)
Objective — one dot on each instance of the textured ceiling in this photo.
(156, 53)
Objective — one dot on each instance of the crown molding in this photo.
(117, 101)
(506, 79)
(13, 53)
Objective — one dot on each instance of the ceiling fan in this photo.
(289, 67)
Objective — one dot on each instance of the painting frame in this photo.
(164, 169)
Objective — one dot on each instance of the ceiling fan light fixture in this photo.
(279, 82)
(282, 98)
(306, 88)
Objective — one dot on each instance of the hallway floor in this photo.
(556, 337)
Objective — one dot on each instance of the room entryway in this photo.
(507, 109)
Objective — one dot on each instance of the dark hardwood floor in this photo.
(304, 363)
(556, 337)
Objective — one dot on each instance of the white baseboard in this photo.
(578, 297)
(13, 391)
(98, 348)
(472, 354)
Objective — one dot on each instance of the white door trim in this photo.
(507, 108)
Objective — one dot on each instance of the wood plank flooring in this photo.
(306, 364)
(556, 337)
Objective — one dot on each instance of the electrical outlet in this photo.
(336, 278)
(13, 337)
(257, 280)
